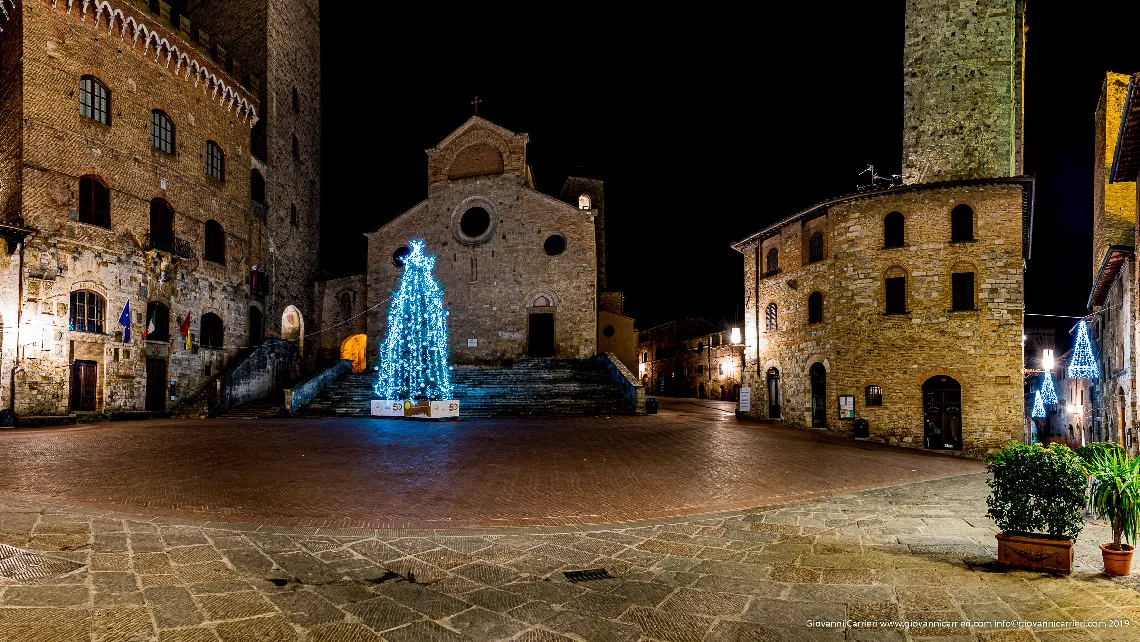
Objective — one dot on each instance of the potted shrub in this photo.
(1115, 497)
(1036, 500)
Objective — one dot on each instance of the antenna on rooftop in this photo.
(878, 182)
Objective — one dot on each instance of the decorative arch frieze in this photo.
(474, 137)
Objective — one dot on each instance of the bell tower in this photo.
(963, 73)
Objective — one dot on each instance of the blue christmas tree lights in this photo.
(1038, 407)
(1082, 365)
(1048, 390)
(413, 357)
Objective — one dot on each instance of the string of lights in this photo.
(1082, 365)
(1038, 406)
(1048, 391)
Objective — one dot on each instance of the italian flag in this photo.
(150, 325)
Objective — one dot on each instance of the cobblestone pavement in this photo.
(694, 457)
(919, 551)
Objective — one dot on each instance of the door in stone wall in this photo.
(773, 393)
(818, 396)
(942, 408)
(156, 385)
(84, 379)
(540, 334)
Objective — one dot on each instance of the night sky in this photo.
(704, 129)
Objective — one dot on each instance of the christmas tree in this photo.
(1048, 391)
(1038, 407)
(1082, 365)
(413, 357)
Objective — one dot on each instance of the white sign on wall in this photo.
(745, 399)
(472, 343)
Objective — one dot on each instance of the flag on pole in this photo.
(125, 321)
(185, 329)
(150, 324)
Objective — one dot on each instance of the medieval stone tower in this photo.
(963, 70)
(279, 42)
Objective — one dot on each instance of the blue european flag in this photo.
(125, 321)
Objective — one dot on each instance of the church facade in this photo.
(903, 306)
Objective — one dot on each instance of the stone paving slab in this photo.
(804, 571)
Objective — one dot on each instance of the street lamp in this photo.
(1047, 360)
(735, 336)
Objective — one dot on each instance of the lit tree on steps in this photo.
(1083, 365)
(413, 357)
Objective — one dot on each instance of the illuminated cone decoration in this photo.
(413, 357)
(1038, 407)
(1048, 391)
(1082, 365)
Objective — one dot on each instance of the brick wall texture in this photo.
(55, 145)
(962, 89)
(1114, 204)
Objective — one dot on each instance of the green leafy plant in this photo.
(1037, 489)
(1115, 495)
(1086, 453)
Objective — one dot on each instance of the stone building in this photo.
(520, 269)
(905, 305)
(690, 358)
(125, 156)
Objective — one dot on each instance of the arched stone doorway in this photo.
(942, 408)
(818, 376)
(355, 349)
(540, 327)
(293, 326)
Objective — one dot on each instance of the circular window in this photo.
(475, 222)
(399, 255)
(555, 244)
(608, 331)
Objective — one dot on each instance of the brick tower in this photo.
(279, 42)
(963, 70)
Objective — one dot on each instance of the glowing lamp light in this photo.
(735, 336)
(1047, 359)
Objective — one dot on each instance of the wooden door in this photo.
(84, 381)
(156, 385)
(540, 335)
(818, 376)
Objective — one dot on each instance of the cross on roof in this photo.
(476, 103)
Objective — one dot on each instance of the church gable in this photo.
(477, 148)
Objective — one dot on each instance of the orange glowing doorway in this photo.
(354, 349)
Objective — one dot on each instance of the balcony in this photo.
(179, 250)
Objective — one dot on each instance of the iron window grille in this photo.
(770, 320)
(815, 247)
(874, 396)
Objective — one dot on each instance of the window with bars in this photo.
(874, 396)
(161, 132)
(770, 321)
(962, 286)
(896, 294)
(815, 247)
(215, 161)
(87, 311)
(815, 308)
(772, 262)
(94, 100)
(94, 201)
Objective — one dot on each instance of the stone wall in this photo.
(859, 345)
(962, 89)
(1114, 204)
(1111, 332)
(59, 146)
(622, 342)
(337, 321)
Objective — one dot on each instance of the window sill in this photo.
(963, 242)
(768, 275)
(221, 263)
(94, 225)
(964, 310)
(894, 247)
(897, 314)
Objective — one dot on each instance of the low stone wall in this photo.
(303, 393)
(625, 380)
(270, 367)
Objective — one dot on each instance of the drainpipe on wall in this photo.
(19, 322)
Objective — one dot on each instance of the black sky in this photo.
(705, 129)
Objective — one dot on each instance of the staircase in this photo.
(532, 387)
(271, 406)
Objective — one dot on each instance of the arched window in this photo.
(157, 322)
(215, 161)
(961, 223)
(346, 305)
(815, 247)
(293, 214)
(161, 131)
(87, 311)
(894, 290)
(161, 225)
(94, 201)
(874, 396)
(770, 321)
(893, 233)
(772, 262)
(815, 308)
(256, 186)
(211, 331)
(94, 100)
(584, 202)
(215, 249)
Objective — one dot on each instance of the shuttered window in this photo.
(963, 290)
(896, 295)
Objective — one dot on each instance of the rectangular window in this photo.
(162, 132)
(896, 295)
(962, 284)
(215, 161)
(874, 396)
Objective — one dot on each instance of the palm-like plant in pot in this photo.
(1115, 498)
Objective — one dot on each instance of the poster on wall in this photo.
(846, 406)
(745, 401)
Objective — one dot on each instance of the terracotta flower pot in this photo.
(1117, 562)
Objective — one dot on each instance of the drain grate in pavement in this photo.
(25, 566)
(588, 575)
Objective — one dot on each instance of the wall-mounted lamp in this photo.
(735, 336)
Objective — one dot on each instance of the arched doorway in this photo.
(942, 408)
(540, 327)
(354, 349)
(293, 326)
(700, 391)
(773, 393)
(818, 376)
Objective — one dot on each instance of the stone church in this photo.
(166, 162)
(903, 306)
(523, 272)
